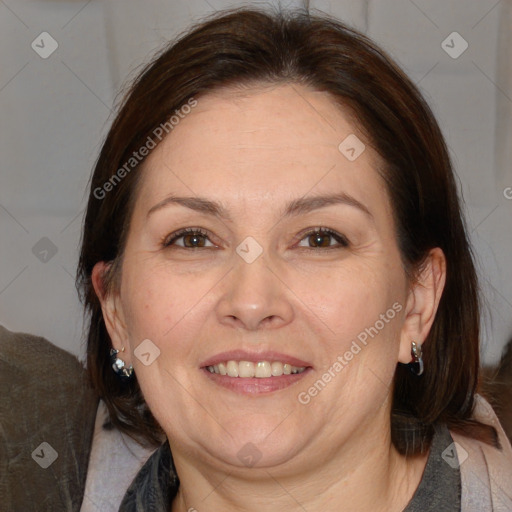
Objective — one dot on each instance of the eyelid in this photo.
(170, 240)
(342, 242)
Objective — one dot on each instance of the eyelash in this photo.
(169, 240)
(342, 240)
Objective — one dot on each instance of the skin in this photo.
(253, 151)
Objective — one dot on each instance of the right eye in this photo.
(191, 238)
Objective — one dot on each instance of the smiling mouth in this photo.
(254, 374)
(248, 369)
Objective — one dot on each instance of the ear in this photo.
(111, 308)
(422, 303)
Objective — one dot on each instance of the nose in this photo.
(255, 296)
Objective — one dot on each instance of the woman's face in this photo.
(257, 175)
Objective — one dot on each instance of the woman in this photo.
(264, 274)
(279, 282)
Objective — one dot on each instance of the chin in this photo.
(252, 442)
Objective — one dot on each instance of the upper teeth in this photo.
(261, 369)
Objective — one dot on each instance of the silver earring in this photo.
(119, 366)
(416, 365)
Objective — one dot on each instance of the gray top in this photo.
(440, 486)
(156, 484)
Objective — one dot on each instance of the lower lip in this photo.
(253, 385)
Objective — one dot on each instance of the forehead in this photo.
(261, 144)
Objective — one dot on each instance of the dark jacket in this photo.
(44, 396)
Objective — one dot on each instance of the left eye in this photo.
(322, 238)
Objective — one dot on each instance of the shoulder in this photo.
(36, 373)
(24, 352)
(486, 471)
(47, 414)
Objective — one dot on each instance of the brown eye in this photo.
(319, 240)
(194, 240)
(323, 238)
(188, 239)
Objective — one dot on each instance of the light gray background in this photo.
(55, 112)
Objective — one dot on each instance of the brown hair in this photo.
(244, 47)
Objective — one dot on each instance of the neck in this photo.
(363, 475)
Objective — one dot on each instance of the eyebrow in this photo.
(293, 208)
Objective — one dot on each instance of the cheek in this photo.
(165, 307)
(361, 314)
(360, 308)
(148, 309)
(143, 302)
(351, 298)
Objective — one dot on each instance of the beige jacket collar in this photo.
(486, 472)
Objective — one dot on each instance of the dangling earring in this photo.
(119, 366)
(416, 366)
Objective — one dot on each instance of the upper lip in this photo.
(255, 357)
